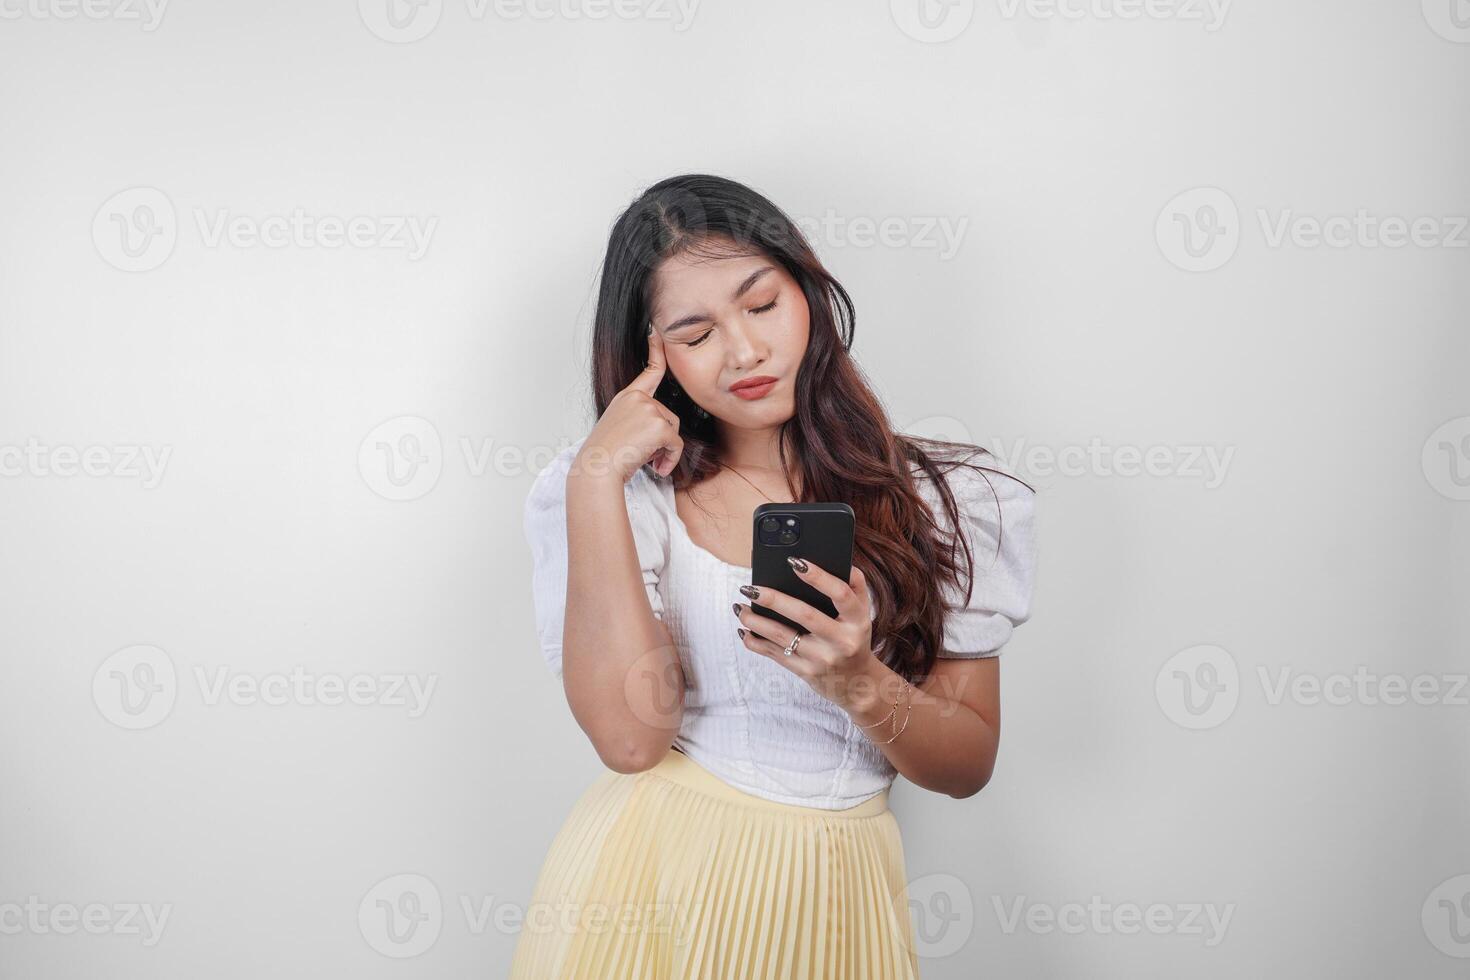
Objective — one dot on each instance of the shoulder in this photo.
(986, 494)
(546, 500)
(997, 517)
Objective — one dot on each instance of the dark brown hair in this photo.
(844, 447)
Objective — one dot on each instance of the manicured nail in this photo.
(796, 563)
(735, 606)
(750, 592)
(741, 631)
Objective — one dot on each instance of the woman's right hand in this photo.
(635, 428)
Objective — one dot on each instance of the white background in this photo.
(291, 386)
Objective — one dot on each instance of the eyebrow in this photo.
(740, 291)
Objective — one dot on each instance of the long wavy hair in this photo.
(840, 438)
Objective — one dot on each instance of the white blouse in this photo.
(747, 719)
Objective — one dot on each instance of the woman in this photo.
(743, 829)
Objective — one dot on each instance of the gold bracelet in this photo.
(902, 687)
(900, 731)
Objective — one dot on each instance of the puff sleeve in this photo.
(545, 526)
(997, 517)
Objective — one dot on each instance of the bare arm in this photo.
(950, 742)
(620, 670)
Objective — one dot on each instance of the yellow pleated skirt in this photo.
(674, 873)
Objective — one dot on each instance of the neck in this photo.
(750, 449)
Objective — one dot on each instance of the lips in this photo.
(753, 387)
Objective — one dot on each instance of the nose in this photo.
(745, 348)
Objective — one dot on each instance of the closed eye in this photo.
(705, 336)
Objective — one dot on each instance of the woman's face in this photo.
(725, 320)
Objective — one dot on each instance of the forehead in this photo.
(703, 276)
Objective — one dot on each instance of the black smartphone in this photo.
(820, 534)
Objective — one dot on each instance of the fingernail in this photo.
(741, 631)
(796, 563)
(750, 592)
(736, 606)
